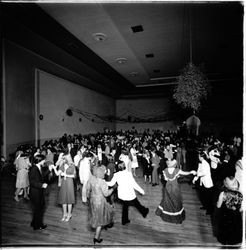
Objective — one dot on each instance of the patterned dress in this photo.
(230, 219)
(171, 208)
(101, 212)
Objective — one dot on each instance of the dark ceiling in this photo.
(152, 40)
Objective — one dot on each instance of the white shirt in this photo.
(99, 154)
(239, 174)
(76, 159)
(204, 172)
(214, 160)
(126, 160)
(126, 185)
(84, 170)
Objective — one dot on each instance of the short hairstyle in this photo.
(38, 158)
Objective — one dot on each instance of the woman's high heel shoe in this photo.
(97, 240)
(64, 218)
(68, 218)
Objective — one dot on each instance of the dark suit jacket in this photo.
(36, 192)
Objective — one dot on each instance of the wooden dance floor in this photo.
(196, 230)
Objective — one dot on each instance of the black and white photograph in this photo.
(122, 124)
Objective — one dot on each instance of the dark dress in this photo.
(147, 168)
(171, 208)
(230, 219)
(66, 192)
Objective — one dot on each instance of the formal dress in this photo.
(229, 218)
(171, 207)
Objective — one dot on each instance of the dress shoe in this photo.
(97, 240)
(40, 228)
(43, 226)
(126, 222)
(146, 213)
(64, 218)
(68, 217)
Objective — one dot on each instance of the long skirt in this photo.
(171, 208)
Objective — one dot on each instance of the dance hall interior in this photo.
(122, 124)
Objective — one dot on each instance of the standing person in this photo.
(155, 161)
(101, 212)
(125, 158)
(66, 195)
(171, 207)
(36, 192)
(147, 168)
(214, 156)
(50, 156)
(85, 173)
(126, 192)
(77, 158)
(22, 165)
(206, 183)
(133, 158)
(229, 216)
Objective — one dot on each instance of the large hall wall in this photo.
(20, 65)
(145, 108)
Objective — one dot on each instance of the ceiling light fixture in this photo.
(100, 37)
(121, 60)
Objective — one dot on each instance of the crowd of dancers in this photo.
(102, 167)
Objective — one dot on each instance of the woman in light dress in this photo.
(22, 165)
(134, 160)
(85, 173)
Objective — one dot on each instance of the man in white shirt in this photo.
(214, 156)
(239, 174)
(77, 159)
(206, 183)
(126, 192)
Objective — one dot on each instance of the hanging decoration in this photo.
(192, 85)
(134, 116)
(192, 88)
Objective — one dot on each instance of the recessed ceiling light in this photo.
(121, 60)
(149, 55)
(99, 37)
(133, 74)
(138, 28)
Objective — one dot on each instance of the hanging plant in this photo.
(192, 88)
